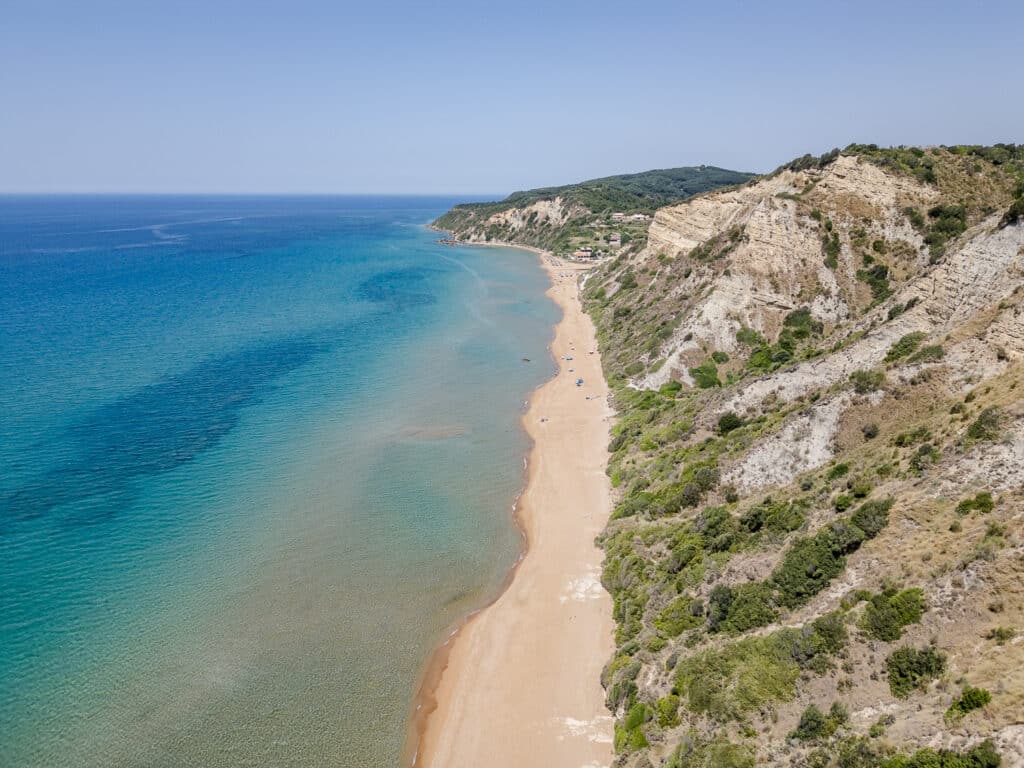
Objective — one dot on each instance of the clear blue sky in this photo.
(481, 97)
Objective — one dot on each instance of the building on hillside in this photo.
(639, 217)
(618, 216)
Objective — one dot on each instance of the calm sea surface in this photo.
(256, 454)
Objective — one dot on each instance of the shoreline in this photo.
(551, 694)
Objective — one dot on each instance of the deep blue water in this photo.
(256, 454)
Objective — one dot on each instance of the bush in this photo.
(870, 431)
(867, 381)
(750, 337)
(815, 724)
(751, 606)
(720, 753)
(668, 711)
(676, 617)
(630, 735)
(727, 422)
(777, 517)
(719, 602)
(930, 354)
(802, 323)
(1002, 635)
(982, 756)
(812, 725)
(872, 516)
(910, 669)
(720, 357)
(982, 502)
(925, 456)
(750, 674)
(918, 435)
(888, 612)
(705, 375)
(812, 562)
(905, 346)
(987, 425)
(877, 278)
(970, 700)
(839, 470)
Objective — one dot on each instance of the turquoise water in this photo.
(256, 455)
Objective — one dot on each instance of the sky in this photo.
(455, 97)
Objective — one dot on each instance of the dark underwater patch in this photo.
(155, 429)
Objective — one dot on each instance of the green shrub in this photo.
(870, 431)
(930, 354)
(839, 470)
(776, 517)
(970, 699)
(676, 617)
(905, 346)
(987, 425)
(668, 711)
(813, 561)
(947, 222)
(815, 724)
(719, 753)
(705, 375)
(630, 736)
(751, 606)
(910, 669)
(720, 357)
(925, 456)
(802, 323)
(982, 756)
(888, 612)
(867, 381)
(842, 502)
(877, 278)
(982, 502)
(914, 217)
(830, 246)
(918, 435)
(750, 337)
(749, 675)
(861, 489)
(729, 421)
(872, 516)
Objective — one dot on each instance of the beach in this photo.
(519, 684)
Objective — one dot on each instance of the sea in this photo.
(257, 456)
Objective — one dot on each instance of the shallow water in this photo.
(256, 455)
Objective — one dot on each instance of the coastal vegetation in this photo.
(588, 214)
(762, 598)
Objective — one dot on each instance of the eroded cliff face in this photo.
(518, 224)
(818, 549)
(777, 264)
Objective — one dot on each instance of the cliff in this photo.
(817, 553)
(563, 219)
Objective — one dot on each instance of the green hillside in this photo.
(579, 207)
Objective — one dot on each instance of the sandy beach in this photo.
(519, 686)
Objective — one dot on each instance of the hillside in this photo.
(561, 219)
(817, 553)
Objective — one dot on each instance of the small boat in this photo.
(579, 382)
(526, 359)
